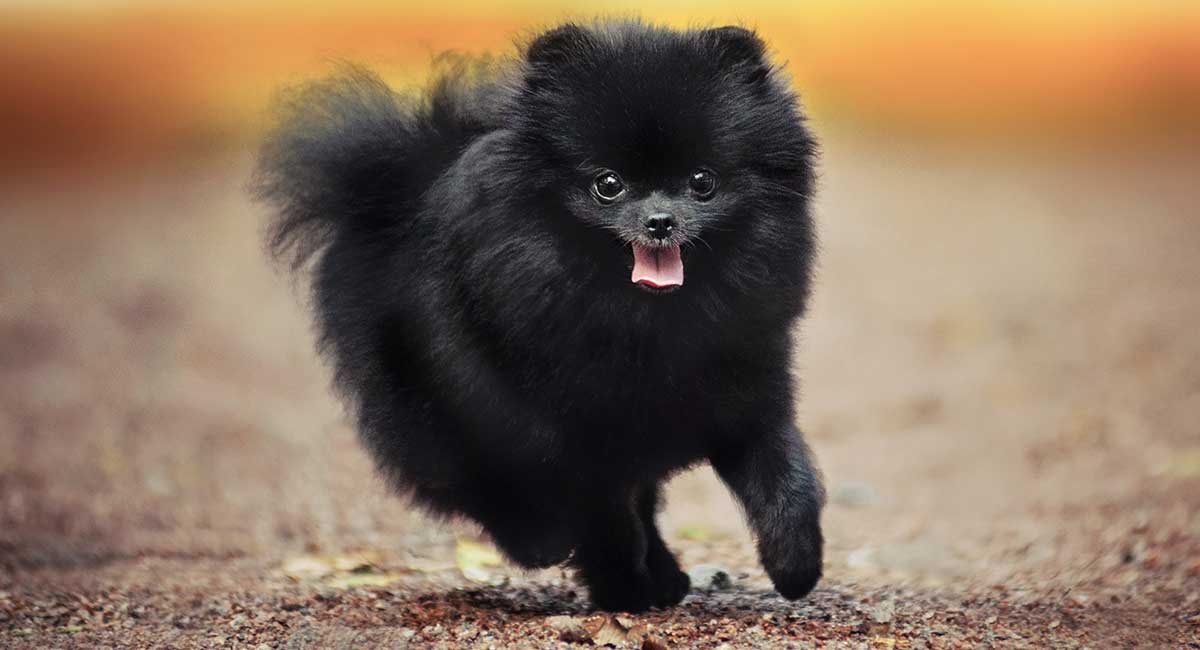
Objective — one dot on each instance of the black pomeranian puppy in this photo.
(548, 284)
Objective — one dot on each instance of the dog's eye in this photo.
(703, 183)
(607, 186)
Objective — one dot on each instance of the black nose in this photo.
(660, 226)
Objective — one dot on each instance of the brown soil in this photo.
(1001, 381)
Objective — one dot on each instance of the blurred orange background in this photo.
(93, 83)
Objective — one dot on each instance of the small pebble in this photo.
(710, 577)
(883, 612)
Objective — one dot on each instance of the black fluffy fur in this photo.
(475, 298)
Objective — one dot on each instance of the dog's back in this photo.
(350, 155)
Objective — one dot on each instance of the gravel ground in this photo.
(1001, 382)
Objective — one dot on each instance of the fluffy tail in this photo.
(349, 153)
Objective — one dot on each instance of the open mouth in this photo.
(658, 268)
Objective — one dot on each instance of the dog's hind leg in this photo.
(671, 584)
(611, 555)
(528, 529)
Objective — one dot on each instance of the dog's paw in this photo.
(671, 587)
(660, 583)
(671, 584)
(794, 563)
(533, 547)
(630, 593)
(795, 582)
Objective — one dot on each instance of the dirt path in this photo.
(1001, 381)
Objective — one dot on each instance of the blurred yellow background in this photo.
(97, 82)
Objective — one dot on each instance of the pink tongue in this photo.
(657, 267)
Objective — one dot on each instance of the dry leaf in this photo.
(353, 563)
(569, 628)
(429, 565)
(355, 569)
(612, 632)
(474, 558)
(307, 567)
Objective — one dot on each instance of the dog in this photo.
(548, 283)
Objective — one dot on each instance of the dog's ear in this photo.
(741, 48)
(556, 45)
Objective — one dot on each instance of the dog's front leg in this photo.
(771, 473)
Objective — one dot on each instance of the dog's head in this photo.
(677, 143)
